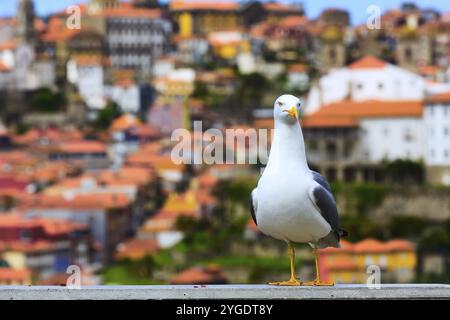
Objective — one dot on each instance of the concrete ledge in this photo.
(245, 292)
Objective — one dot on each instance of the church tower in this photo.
(25, 31)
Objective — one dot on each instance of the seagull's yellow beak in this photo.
(292, 112)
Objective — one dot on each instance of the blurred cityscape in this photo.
(90, 97)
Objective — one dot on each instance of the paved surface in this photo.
(394, 291)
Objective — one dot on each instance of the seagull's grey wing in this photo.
(324, 201)
(320, 179)
(253, 205)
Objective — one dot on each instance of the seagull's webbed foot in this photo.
(291, 282)
(319, 283)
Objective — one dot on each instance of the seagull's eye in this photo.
(280, 104)
(299, 105)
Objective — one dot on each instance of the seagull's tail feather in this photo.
(343, 233)
(332, 239)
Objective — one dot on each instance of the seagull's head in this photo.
(287, 109)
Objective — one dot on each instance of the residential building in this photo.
(14, 277)
(437, 131)
(126, 93)
(254, 12)
(162, 226)
(43, 257)
(136, 249)
(366, 79)
(91, 155)
(348, 140)
(45, 246)
(128, 133)
(298, 78)
(108, 216)
(199, 18)
(396, 261)
(131, 38)
(87, 74)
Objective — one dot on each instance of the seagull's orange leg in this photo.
(317, 281)
(293, 281)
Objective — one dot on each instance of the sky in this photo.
(357, 8)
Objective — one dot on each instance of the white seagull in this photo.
(292, 202)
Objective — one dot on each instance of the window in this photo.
(332, 54)
(380, 86)
(383, 261)
(25, 235)
(369, 260)
(408, 54)
(446, 131)
(386, 132)
(446, 153)
(408, 137)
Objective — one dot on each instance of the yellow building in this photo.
(396, 260)
(202, 17)
(228, 44)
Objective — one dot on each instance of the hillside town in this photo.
(90, 98)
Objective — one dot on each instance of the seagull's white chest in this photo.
(285, 210)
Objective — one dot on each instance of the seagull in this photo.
(291, 202)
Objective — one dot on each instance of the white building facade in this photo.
(392, 138)
(437, 132)
(366, 79)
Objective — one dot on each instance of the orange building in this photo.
(396, 259)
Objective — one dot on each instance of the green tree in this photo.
(251, 89)
(404, 171)
(200, 90)
(107, 115)
(45, 100)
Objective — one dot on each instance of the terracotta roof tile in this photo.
(203, 5)
(324, 122)
(124, 122)
(369, 246)
(16, 275)
(278, 6)
(439, 98)
(136, 248)
(399, 245)
(77, 202)
(27, 247)
(368, 62)
(200, 275)
(370, 109)
(298, 67)
(85, 146)
(130, 12)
